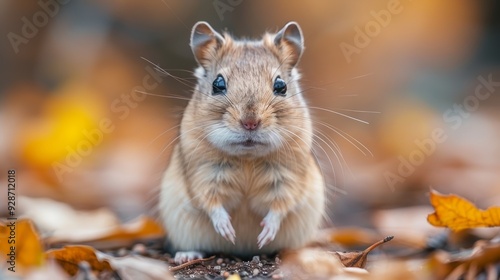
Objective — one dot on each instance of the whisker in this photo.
(341, 134)
(358, 111)
(338, 113)
(165, 96)
(156, 138)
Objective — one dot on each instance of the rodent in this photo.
(243, 180)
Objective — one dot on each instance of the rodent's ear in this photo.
(204, 42)
(291, 42)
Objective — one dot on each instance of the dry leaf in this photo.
(50, 271)
(137, 267)
(26, 243)
(63, 221)
(480, 258)
(70, 256)
(124, 235)
(358, 259)
(310, 263)
(458, 213)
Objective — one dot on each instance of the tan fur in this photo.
(202, 175)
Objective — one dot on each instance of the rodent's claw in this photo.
(271, 224)
(182, 257)
(222, 224)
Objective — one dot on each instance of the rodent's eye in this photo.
(279, 86)
(219, 85)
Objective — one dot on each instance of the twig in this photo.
(184, 265)
(387, 239)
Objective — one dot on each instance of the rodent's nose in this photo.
(250, 123)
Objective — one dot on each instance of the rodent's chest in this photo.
(252, 177)
(249, 180)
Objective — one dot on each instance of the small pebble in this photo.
(255, 272)
(244, 273)
(256, 259)
(260, 264)
(139, 248)
(277, 260)
(122, 252)
(223, 264)
(220, 261)
(217, 267)
(226, 274)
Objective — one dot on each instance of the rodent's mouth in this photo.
(248, 143)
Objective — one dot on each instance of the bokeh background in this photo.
(75, 130)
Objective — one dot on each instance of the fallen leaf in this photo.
(70, 257)
(143, 228)
(137, 267)
(310, 263)
(457, 213)
(481, 257)
(62, 221)
(358, 259)
(50, 271)
(27, 248)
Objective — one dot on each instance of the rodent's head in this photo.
(247, 99)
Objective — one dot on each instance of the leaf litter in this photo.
(135, 251)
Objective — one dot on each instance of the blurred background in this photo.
(424, 75)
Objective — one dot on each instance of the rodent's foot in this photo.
(186, 256)
(222, 224)
(271, 224)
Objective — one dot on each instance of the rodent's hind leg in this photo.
(222, 223)
(186, 256)
(271, 224)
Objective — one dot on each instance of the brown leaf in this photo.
(70, 256)
(358, 259)
(457, 213)
(25, 244)
(470, 262)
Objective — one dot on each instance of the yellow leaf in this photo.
(457, 213)
(20, 245)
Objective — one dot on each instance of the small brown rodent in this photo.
(243, 180)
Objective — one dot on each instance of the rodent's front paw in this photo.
(271, 224)
(222, 224)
